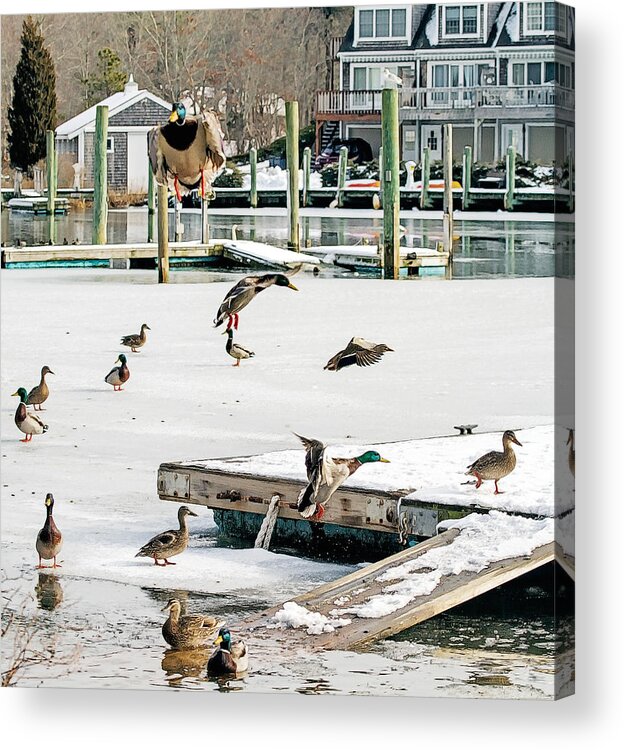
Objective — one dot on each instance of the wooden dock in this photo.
(242, 252)
(334, 600)
(37, 204)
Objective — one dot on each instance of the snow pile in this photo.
(513, 24)
(484, 539)
(293, 615)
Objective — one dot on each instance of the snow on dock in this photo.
(246, 251)
(472, 556)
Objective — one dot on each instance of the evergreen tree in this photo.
(108, 79)
(33, 109)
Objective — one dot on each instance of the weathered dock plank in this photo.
(362, 585)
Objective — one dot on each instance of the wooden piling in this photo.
(307, 167)
(571, 182)
(163, 234)
(205, 226)
(253, 176)
(510, 179)
(51, 175)
(342, 175)
(292, 164)
(425, 176)
(100, 177)
(447, 167)
(151, 203)
(178, 229)
(466, 177)
(389, 177)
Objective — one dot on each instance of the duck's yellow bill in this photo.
(15, 394)
(173, 117)
(218, 641)
(385, 460)
(292, 286)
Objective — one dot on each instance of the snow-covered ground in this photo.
(464, 352)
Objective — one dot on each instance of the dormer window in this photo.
(382, 23)
(545, 18)
(461, 20)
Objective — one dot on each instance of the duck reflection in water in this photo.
(49, 591)
(178, 664)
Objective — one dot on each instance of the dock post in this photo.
(425, 176)
(253, 176)
(342, 175)
(163, 234)
(510, 179)
(448, 198)
(100, 177)
(51, 176)
(205, 226)
(151, 204)
(466, 177)
(571, 182)
(389, 176)
(292, 164)
(307, 166)
(177, 219)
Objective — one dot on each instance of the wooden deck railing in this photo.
(369, 101)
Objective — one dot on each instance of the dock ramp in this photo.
(411, 586)
(248, 252)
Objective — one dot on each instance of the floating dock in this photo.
(416, 260)
(36, 204)
(436, 539)
(127, 256)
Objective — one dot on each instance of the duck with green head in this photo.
(230, 658)
(26, 421)
(118, 375)
(49, 539)
(325, 475)
(187, 151)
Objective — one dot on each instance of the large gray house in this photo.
(131, 113)
(501, 73)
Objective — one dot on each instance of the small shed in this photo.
(131, 114)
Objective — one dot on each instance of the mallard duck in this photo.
(169, 543)
(49, 539)
(357, 352)
(136, 340)
(188, 631)
(242, 293)
(230, 657)
(571, 451)
(26, 421)
(186, 150)
(236, 351)
(118, 375)
(496, 465)
(325, 475)
(40, 392)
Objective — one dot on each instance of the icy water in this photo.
(482, 248)
(107, 634)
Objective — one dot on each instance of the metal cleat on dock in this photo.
(465, 429)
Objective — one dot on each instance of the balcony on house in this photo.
(350, 105)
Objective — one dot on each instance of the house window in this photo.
(382, 23)
(110, 145)
(534, 73)
(366, 24)
(545, 18)
(359, 79)
(517, 74)
(371, 78)
(461, 20)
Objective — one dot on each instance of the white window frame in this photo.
(393, 68)
(460, 34)
(544, 82)
(110, 150)
(542, 31)
(408, 24)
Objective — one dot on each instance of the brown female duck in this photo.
(136, 340)
(39, 394)
(169, 543)
(49, 539)
(187, 631)
(496, 465)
